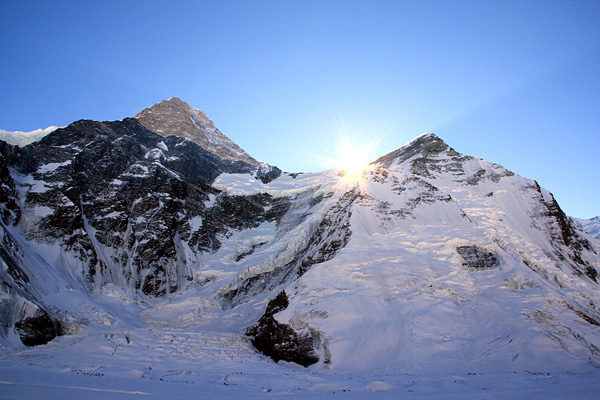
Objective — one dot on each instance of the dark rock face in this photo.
(9, 253)
(123, 201)
(38, 329)
(10, 213)
(427, 145)
(332, 234)
(280, 341)
(268, 173)
(477, 258)
(121, 197)
(236, 212)
(564, 235)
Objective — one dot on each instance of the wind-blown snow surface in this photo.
(456, 281)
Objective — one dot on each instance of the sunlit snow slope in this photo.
(454, 264)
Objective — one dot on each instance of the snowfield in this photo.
(175, 363)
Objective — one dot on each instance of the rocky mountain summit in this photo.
(176, 117)
(432, 261)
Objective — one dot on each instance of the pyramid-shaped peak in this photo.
(172, 102)
(427, 144)
(176, 99)
(176, 102)
(172, 107)
(427, 136)
(424, 139)
(176, 117)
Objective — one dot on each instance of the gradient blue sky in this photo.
(514, 82)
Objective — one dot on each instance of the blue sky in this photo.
(514, 82)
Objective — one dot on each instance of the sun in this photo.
(353, 160)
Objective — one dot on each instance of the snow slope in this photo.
(125, 363)
(400, 299)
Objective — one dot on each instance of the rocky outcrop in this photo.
(568, 244)
(267, 173)
(425, 145)
(280, 341)
(236, 212)
(38, 329)
(175, 117)
(10, 213)
(19, 310)
(477, 258)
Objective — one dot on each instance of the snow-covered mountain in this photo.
(21, 139)
(433, 263)
(591, 225)
(452, 262)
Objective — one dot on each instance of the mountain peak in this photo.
(175, 117)
(428, 136)
(427, 144)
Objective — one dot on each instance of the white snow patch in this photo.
(43, 169)
(137, 171)
(155, 154)
(195, 223)
(42, 211)
(161, 145)
(114, 214)
(27, 183)
(212, 199)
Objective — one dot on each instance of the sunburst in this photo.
(353, 160)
